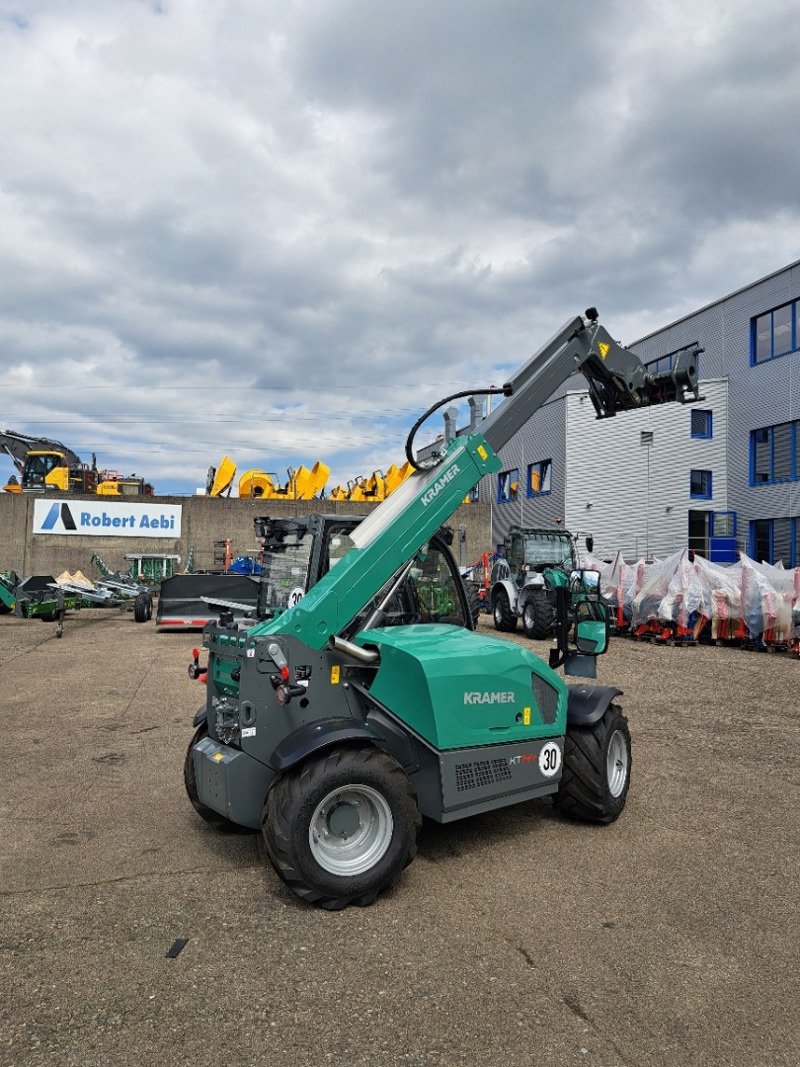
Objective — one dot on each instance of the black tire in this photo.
(474, 601)
(538, 617)
(348, 778)
(208, 815)
(591, 789)
(142, 607)
(504, 618)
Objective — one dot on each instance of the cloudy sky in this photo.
(281, 230)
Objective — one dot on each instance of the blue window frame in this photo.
(775, 454)
(775, 333)
(664, 363)
(702, 424)
(540, 477)
(700, 485)
(775, 540)
(507, 485)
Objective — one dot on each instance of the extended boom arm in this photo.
(618, 380)
(390, 536)
(18, 445)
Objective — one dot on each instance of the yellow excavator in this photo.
(45, 465)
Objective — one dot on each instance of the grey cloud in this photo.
(261, 226)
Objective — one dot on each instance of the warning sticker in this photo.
(603, 347)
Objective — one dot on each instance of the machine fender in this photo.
(200, 717)
(588, 703)
(534, 583)
(314, 736)
(510, 591)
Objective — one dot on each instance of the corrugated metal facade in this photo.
(608, 465)
(635, 496)
(542, 439)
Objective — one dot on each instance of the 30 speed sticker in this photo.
(550, 759)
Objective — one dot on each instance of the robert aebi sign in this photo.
(104, 519)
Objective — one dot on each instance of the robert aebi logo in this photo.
(74, 519)
(59, 510)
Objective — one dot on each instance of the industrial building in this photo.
(720, 476)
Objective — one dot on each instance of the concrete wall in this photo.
(204, 521)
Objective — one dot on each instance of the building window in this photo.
(775, 454)
(700, 485)
(507, 485)
(775, 333)
(664, 363)
(540, 477)
(702, 424)
(775, 541)
(723, 524)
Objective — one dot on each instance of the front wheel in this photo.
(538, 617)
(597, 769)
(341, 827)
(504, 618)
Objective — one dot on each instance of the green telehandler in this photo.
(335, 726)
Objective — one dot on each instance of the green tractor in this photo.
(337, 725)
(535, 562)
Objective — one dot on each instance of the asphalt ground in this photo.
(670, 937)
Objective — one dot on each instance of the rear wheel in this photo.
(597, 769)
(538, 616)
(341, 827)
(504, 618)
(208, 815)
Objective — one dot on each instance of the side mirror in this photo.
(582, 625)
(591, 628)
(590, 543)
(583, 581)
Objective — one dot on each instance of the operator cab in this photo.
(428, 589)
(37, 467)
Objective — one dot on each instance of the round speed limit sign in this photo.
(550, 759)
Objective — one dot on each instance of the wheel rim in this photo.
(528, 617)
(499, 611)
(617, 763)
(350, 830)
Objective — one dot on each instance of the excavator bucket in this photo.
(369, 490)
(257, 483)
(222, 477)
(395, 476)
(303, 484)
(355, 490)
(339, 493)
(310, 483)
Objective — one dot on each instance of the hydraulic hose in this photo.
(436, 458)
